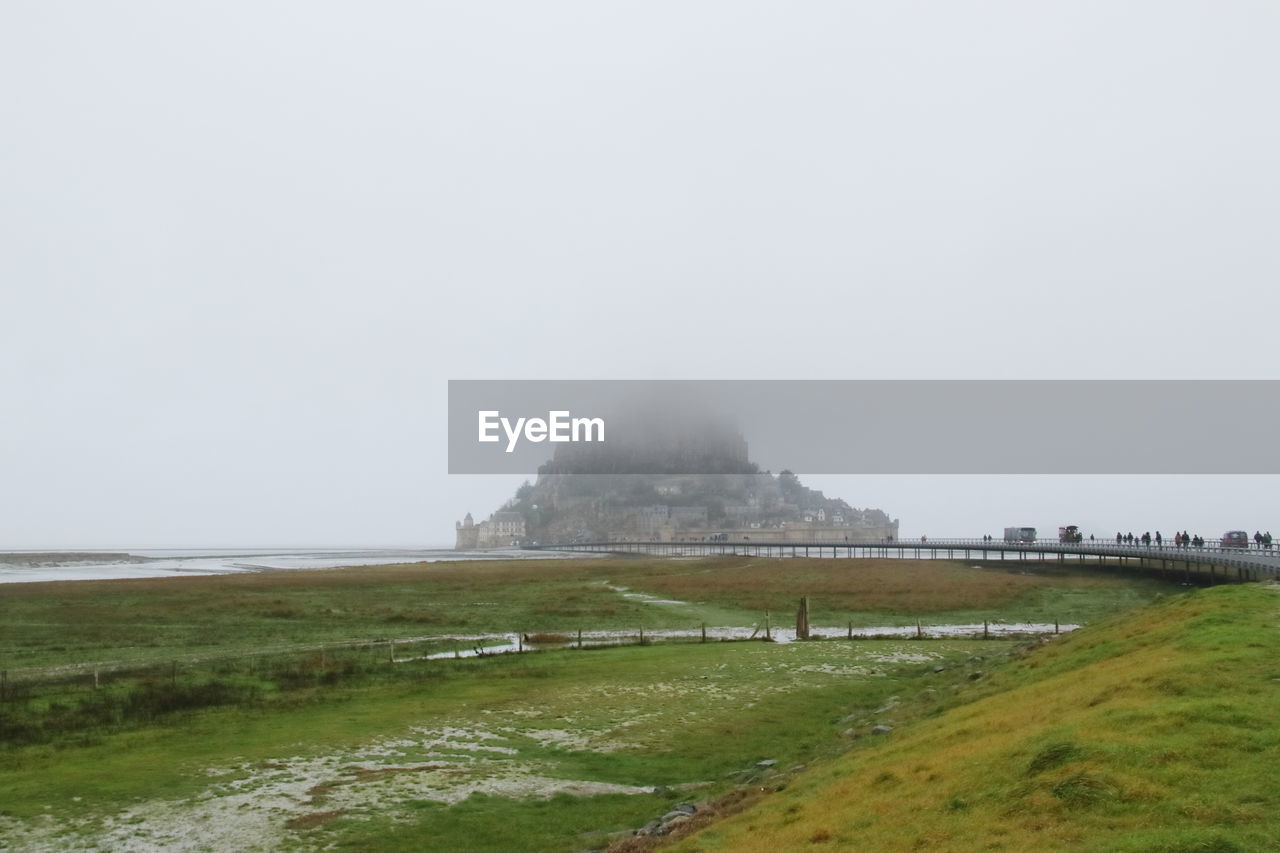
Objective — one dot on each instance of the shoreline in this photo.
(81, 565)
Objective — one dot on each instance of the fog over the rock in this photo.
(244, 246)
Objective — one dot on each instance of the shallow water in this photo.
(30, 567)
(481, 645)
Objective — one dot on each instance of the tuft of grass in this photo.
(1053, 755)
(1083, 789)
(313, 820)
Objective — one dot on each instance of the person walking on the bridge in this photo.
(1257, 538)
(1119, 538)
(1146, 538)
(1159, 539)
(1266, 540)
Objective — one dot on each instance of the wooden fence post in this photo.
(704, 632)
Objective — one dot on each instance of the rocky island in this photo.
(579, 496)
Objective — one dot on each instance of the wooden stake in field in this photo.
(767, 635)
(579, 638)
(802, 619)
(919, 630)
(704, 632)
(1055, 626)
(851, 630)
(985, 633)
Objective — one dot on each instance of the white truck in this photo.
(1019, 534)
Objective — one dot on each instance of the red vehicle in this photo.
(1235, 539)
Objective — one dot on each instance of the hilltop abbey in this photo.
(578, 497)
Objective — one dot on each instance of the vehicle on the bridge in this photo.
(1019, 534)
(1070, 533)
(1235, 539)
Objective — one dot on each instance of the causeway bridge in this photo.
(1211, 563)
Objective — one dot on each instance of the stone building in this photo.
(502, 530)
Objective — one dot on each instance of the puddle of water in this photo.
(643, 597)
(497, 644)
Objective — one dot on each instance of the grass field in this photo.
(553, 744)
(44, 624)
(1155, 731)
(274, 734)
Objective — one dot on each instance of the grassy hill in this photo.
(1155, 730)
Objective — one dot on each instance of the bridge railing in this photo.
(1087, 544)
(1248, 562)
(1090, 546)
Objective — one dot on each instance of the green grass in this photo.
(642, 716)
(559, 823)
(51, 624)
(1155, 731)
(271, 725)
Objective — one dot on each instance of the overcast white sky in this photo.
(243, 246)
